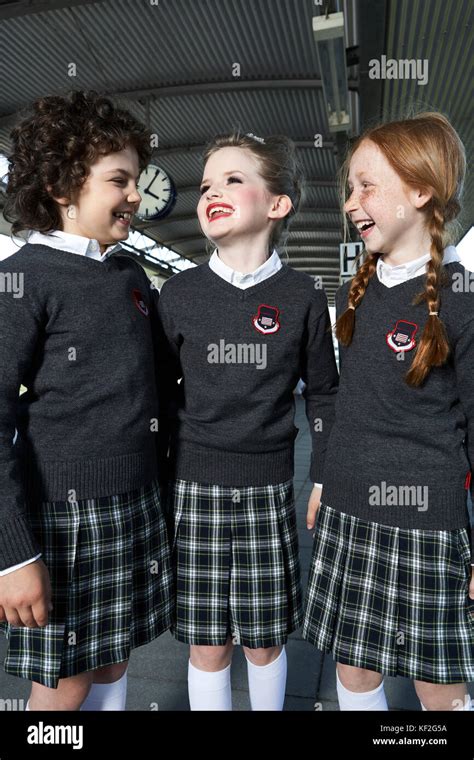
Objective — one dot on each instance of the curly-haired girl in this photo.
(390, 590)
(84, 560)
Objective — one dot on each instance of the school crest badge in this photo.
(266, 321)
(402, 337)
(139, 302)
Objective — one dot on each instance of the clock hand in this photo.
(152, 195)
(153, 179)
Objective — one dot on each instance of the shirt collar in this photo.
(265, 270)
(403, 272)
(66, 241)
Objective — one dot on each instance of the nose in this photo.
(352, 203)
(134, 196)
(213, 192)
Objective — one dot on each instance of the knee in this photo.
(69, 695)
(358, 679)
(262, 656)
(442, 696)
(211, 658)
(110, 673)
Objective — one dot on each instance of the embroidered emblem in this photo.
(266, 320)
(402, 337)
(139, 302)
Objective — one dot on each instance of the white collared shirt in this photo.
(391, 276)
(243, 281)
(65, 241)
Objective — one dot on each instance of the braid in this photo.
(345, 323)
(433, 349)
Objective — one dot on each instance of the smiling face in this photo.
(107, 200)
(235, 202)
(387, 213)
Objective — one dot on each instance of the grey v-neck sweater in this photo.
(80, 337)
(240, 354)
(399, 455)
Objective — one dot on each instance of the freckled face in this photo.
(379, 204)
(234, 199)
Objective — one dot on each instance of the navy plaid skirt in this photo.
(391, 600)
(108, 559)
(235, 559)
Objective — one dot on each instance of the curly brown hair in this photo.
(427, 152)
(55, 146)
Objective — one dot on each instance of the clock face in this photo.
(158, 193)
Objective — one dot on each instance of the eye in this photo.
(365, 185)
(204, 189)
(235, 179)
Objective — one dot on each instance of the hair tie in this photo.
(351, 307)
(254, 137)
(433, 313)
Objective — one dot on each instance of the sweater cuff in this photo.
(17, 542)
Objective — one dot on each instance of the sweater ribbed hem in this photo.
(232, 468)
(445, 509)
(87, 478)
(17, 543)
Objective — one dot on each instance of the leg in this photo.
(266, 670)
(360, 689)
(69, 695)
(209, 677)
(109, 689)
(436, 696)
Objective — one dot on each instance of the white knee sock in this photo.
(267, 683)
(106, 696)
(209, 691)
(366, 700)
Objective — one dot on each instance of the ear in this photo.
(281, 207)
(420, 197)
(62, 201)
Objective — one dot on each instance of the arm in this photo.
(25, 591)
(464, 368)
(168, 373)
(319, 373)
(19, 331)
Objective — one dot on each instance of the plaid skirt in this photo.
(390, 599)
(235, 559)
(108, 560)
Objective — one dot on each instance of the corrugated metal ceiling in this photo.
(172, 62)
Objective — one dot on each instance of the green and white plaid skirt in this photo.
(108, 560)
(235, 559)
(390, 599)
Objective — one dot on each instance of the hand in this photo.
(471, 585)
(313, 507)
(25, 596)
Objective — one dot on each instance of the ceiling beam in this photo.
(199, 88)
(16, 8)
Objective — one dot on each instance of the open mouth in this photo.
(219, 212)
(365, 225)
(123, 217)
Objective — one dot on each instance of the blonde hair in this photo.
(426, 152)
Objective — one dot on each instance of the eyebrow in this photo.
(122, 171)
(227, 174)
